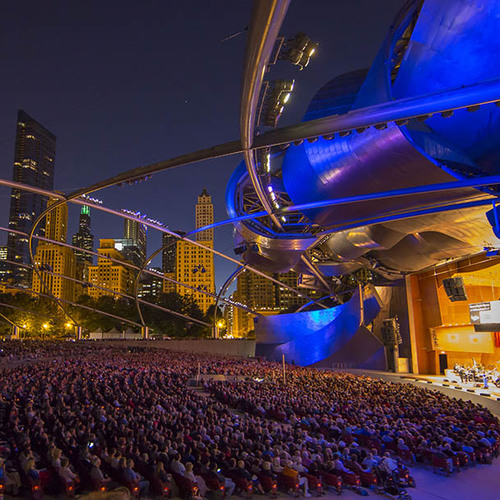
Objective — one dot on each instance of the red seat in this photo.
(315, 482)
(187, 489)
(68, 487)
(213, 484)
(367, 478)
(349, 478)
(332, 480)
(269, 485)
(441, 464)
(36, 489)
(289, 483)
(161, 488)
(241, 483)
(133, 487)
(99, 486)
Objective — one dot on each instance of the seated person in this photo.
(130, 476)
(30, 470)
(243, 473)
(200, 483)
(388, 464)
(215, 473)
(98, 478)
(66, 473)
(290, 471)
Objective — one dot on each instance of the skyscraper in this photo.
(169, 260)
(204, 216)
(265, 297)
(57, 263)
(3, 265)
(133, 245)
(151, 286)
(109, 274)
(169, 243)
(34, 160)
(195, 265)
(84, 239)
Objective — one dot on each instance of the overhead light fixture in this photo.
(273, 102)
(298, 50)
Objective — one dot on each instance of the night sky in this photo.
(125, 84)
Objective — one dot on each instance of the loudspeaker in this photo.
(241, 249)
(454, 288)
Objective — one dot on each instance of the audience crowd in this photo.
(85, 415)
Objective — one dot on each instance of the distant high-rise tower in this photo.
(109, 276)
(57, 263)
(84, 239)
(133, 245)
(169, 251)
(136, 231)
(168, 260)
(3, 265)
(34, 160)
(265, 297)
(195, 265)
(151, 286)
(204, 216)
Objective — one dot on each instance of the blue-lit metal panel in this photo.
(433, 48)
(361, 163)
(456, 43)
(324, 336)
(443, 53)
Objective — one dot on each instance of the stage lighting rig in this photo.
(298, 50)
(264, 160)
(276, 96)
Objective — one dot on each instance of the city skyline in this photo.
(137, 111)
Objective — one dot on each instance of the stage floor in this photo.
(453, 381)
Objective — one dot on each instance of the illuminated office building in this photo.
(57, 263)
(151, 286)
(84, 239)
(204, 216)
(168, 256)
(34, 161)
(168, 260)
(109, 276)
(195, 265)
(264, 296)
(3, 265)
(133, 245)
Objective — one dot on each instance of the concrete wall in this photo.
(225, 347)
